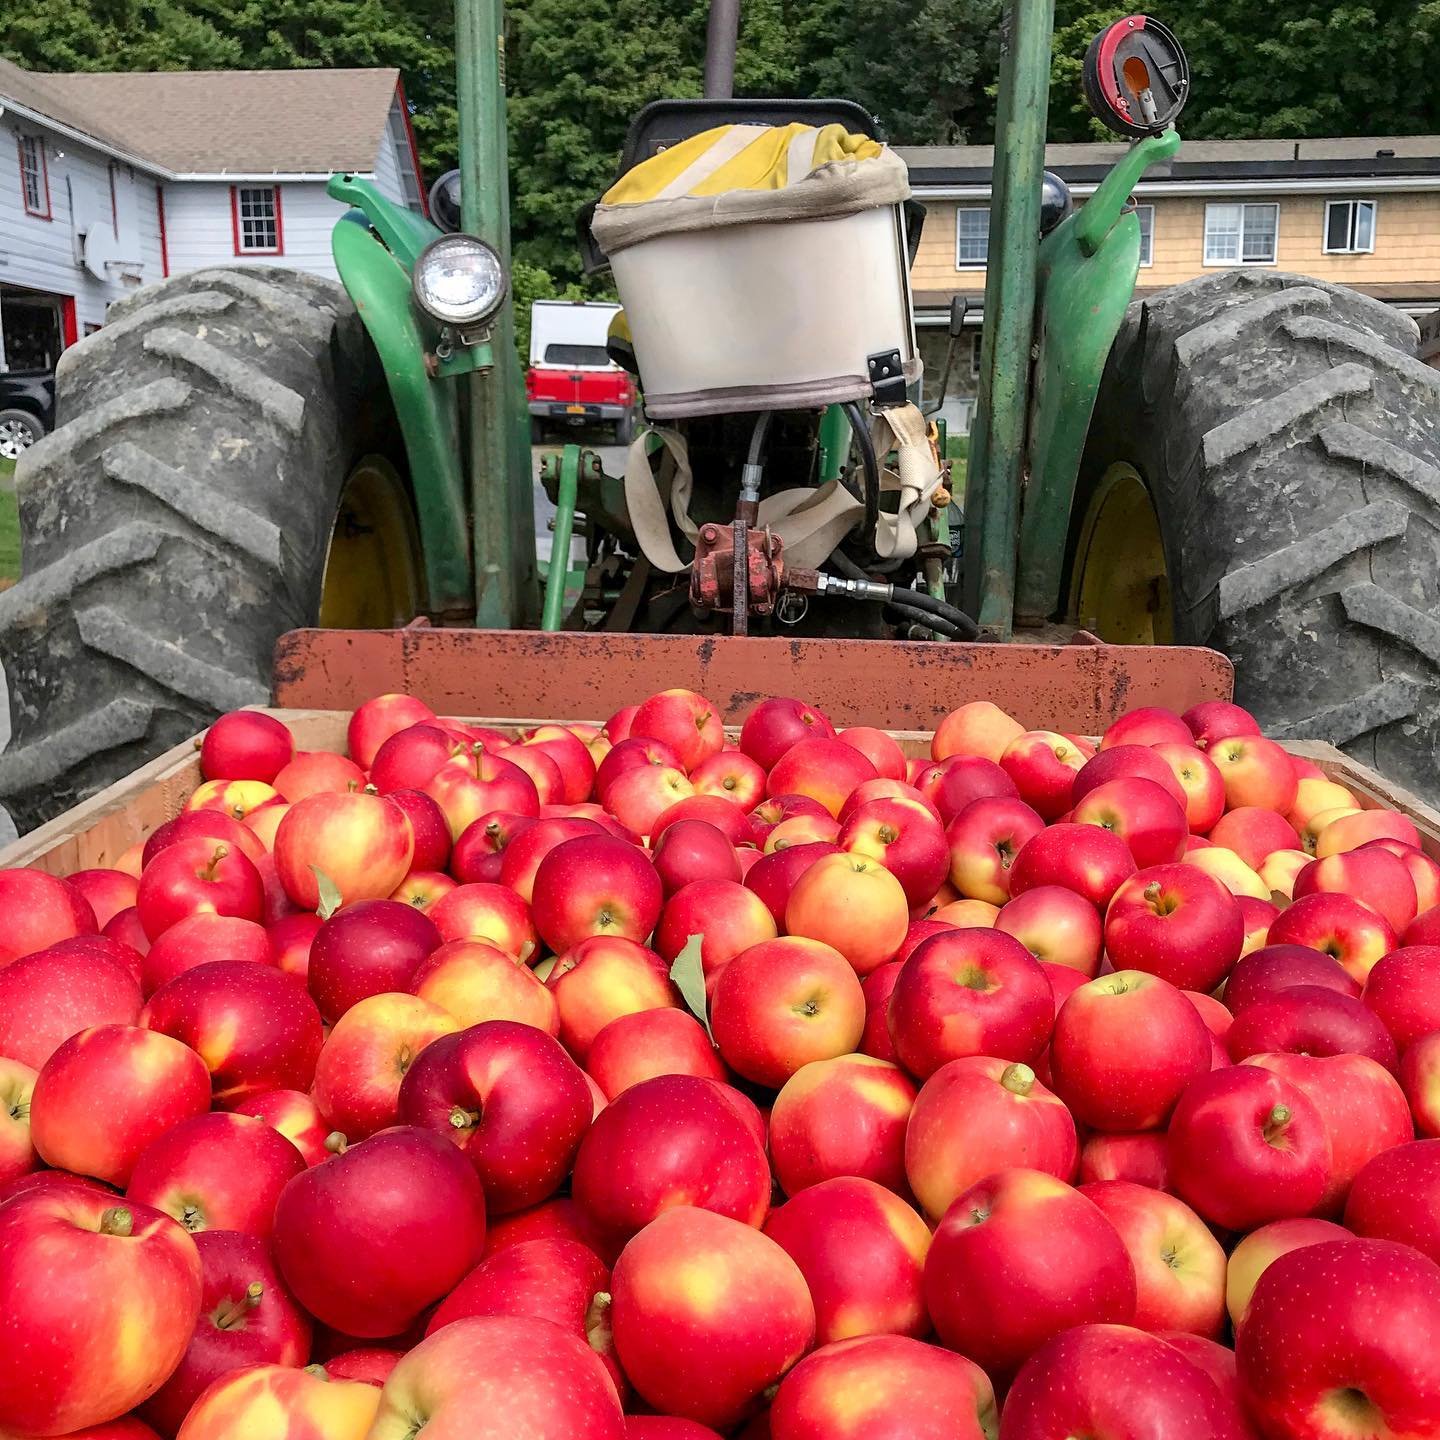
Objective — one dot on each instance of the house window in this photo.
(34, 177)
(972, 237)
(402, 144)
(255, 215)
(1146, 216)
(1241, 234)
(1349, 227)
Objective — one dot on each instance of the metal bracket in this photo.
(887, 378)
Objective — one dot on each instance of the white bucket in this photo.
(767, 316)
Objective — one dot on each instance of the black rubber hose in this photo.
(929, 605)
(929, 621)
(872, 470)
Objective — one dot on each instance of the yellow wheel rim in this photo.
(1120, 589)
(372, 569)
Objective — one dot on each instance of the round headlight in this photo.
(459, 280)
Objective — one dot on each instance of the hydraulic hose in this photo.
(871, 466)
(930, 622)
(941, 609)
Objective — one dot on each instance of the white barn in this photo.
(115, 180)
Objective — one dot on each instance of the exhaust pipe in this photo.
(721, 37)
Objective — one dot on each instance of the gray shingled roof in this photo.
(220, 121)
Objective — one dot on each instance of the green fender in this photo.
(377, 279)
(1087, 270)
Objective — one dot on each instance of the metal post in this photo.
(567, 473)
(500, 482)
(721, 38)
(997, 443)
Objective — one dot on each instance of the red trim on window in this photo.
(70, 329)
(414, 148)
(46, 213)
(235, 220)
(114, 204)
(164, 239)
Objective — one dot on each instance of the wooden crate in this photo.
(97, 832)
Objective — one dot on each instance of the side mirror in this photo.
(445, 201)
(1136, 77)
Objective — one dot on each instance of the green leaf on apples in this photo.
(689, 976)
(330, 896)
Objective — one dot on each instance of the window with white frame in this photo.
(256, 215)
(1349, 227)
(972, 237)
(34, 178)
(1241, 234)
(401, 143)
(1146, 216)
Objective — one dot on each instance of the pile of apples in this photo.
(630, 1082)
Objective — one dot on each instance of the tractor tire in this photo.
(176, 522)
(1289, 438)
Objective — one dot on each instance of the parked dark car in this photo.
(27, 409)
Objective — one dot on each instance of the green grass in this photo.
(9, 526)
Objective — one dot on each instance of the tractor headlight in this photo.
(459, 280)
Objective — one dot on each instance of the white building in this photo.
(112, 181)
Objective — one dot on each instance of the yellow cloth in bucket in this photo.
(749, 174)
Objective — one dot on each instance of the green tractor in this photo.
(1249, 461)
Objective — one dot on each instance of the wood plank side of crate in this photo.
(95, 833)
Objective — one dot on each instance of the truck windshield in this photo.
(576, 355)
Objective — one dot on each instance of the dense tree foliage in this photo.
(579, 69)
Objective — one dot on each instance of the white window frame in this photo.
(1227, 262)
(238, 219)
(1147, 253)
(1354, 207)
(971, 264)
(34, 176)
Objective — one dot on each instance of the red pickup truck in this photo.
(572, 380)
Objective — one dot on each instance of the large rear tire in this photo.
(1289, 441)
(180, 518)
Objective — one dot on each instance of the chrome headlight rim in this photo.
(460, 316)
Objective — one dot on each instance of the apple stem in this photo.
(463, 1119)
(117, 1220)
(1018, 1079)
(237, 1310)
(597, 1328)
(221, 851)
(335, 1142)
(1278, 1118)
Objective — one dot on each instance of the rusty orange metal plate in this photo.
(894, 685)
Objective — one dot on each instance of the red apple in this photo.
(364, 1060)
(601, 979)
(977, 728)
(1202, 783)
(861, 1249)
(1121, 762)
(950, 785)
(774, 876)
(478, 783)
(1309, 1020)
(878, 986)
(1179, 1265)
(361, 843)
(247, 1317)
(246, 745)
(203, 939)
(727, 916)
(237, 799)
(1118, 1383)
(688, 723)
(1403, 990)
(1142, 813)
(692, 850)
(1213, 720)
(595, 885)
(429, 827)
(1354, 830)
(510, 1099)
(842, 1117)
(905, 838)
(197, 875)
(489, 912)
(1372, 876)
(1258, 1250)
(852, 904)
(568, 751)
(367, 949)
(318, 772)
(479, 853)
(379, 718)
(98, 1299)
(881, 749)
(423, 889)
(1146, 725)
(149, 1083)
(1267, 972)
(1256, 771)
(107, 892)
(1396, 1196)
(254, 1027)
(1140, 1158)
(474, 982)
(693, 1286)
(639, 1047)
(17, 1151)
(969, 992)
(730, 775)
(1043, 766)
(367, 1240)
(1247, 1147)
(802, 830)
(1124, 1050)
(295, 1115)
(1056, 926)
(1420, 1079)
(779, 808)
(410, 758)
(674, 1140)
(1253, 833)
(371, 1364)
(49, 995)
(1087, 859)
(1175, 922)
(1019, 1258)
(775, 725)
(823, 769)
(632, 754)
(1336, 1343)
(783, 1003)
(976, 1116)
(984, 839)
(542, 768)
(1424, 872)
(245, 1402)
